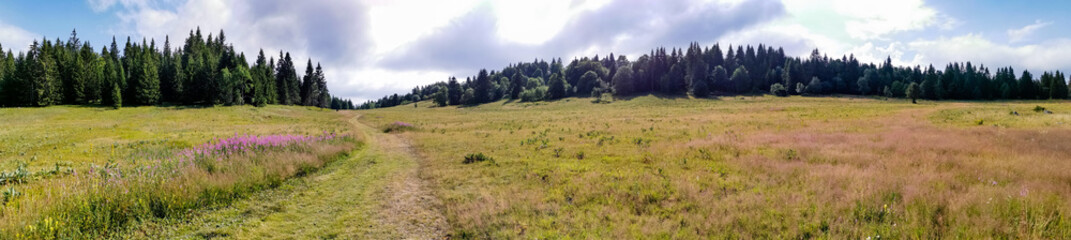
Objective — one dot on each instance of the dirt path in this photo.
(411, 210)
(376, 193)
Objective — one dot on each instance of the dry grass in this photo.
(752, 167)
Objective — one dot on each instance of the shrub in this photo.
(604, 98)
(1039, 109)
(399, 127)
(476, 157)
(534, 95)
(441, 97)
(778, 90)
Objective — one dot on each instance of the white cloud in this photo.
(1044, 56)
(333, 33)
(104, 5)
(1024, 33)
(15, 38)
(865, 19)
(874, 19)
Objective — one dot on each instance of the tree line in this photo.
(709, 71)
(203, 71)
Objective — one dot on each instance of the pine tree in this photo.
(308, 85)
(517, 82)
(42, 75)
(454, 91)
(282, 87)
(116, 96)
(321, 82)
(929, 85)
(483, 88)
(1026, 86)
(1058, 89)
(147, 86)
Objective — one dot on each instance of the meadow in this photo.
(745, 167)
(85, 172)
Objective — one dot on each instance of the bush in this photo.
(1039, 109)
(604, 98)
(398, 127)
(778, 90)
(476, 157)
(534, 95)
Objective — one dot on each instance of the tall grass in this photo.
(748, 168)
(101, 200)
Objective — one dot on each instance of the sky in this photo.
(371, 48)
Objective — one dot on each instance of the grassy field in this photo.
(746, 167)
(364, 196)
(83, 172)
(649, 167)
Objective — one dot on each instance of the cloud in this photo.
(104, 5)
(1044, 56)
(333, 33)
(876, 18)
(473, 41)
(1024, 33)
(15, 38)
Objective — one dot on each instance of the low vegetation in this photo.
(159, 167)
(747, 167)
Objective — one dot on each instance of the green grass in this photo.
(347, 199)
(118, 166)
(746, 167)
(81, 136)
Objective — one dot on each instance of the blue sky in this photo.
(370, 48)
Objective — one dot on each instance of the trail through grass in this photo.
(374, 194)
(746, 167)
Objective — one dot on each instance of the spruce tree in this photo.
(116, 96)
(308, 85)
(321, 83)
(454, 91)
(1026, 86)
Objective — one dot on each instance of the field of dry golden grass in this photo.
(746, 167)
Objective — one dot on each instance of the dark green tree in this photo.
(517, 82)
(454, 91)
(623, 81)
(778, 90)
(721, 79)
(559, 88)
(482, 90)
(740, 76)
(913, 92)
(865, 82)
(322, 91)
(116, 95)
(1027, 88)
(308, 86)
(1058, 86)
